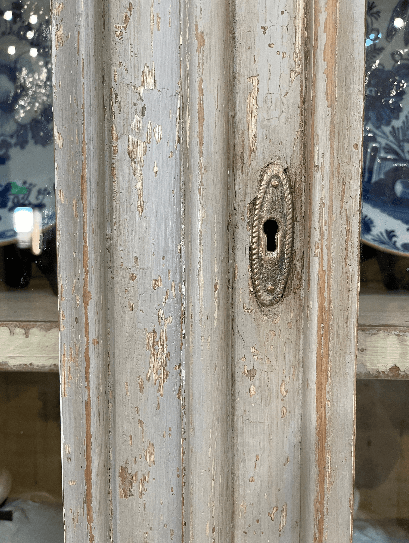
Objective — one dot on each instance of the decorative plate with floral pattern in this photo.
(26, 131)
(385, 180)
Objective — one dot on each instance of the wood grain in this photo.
(119, 207)
(207, 140)
(334, 100)
(190, 412)
(267, 342)
(81, 163)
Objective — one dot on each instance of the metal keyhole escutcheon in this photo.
(271, 235)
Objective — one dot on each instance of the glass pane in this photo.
(382, 461)
(30, 458)
(30, 477)
(381, 512)
(27, 199)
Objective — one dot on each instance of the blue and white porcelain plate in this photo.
(26, 118)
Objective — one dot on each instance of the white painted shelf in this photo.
(383, 335)
(29, 328)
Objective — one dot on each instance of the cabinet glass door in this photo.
(30, 435)
(381, 504)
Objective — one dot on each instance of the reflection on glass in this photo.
(382, 462)
(30, 462)
(30, 473)
(26, 143)
(385, 182)
(381, 512)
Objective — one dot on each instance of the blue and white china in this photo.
(385, 180)
(26, 131)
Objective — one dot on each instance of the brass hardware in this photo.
(271, 235)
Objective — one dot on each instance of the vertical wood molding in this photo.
(334, 103)
(117, 103)
(207, 168)
(145, 258)
(191, 413)
(267, 342)
(81, 166)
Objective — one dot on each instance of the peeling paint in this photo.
(200, 115)
(200, 39)
(59, 139)
(126, 481)
(255, 352)
(57, 9)
(148, 77)
(149, 132)
(273, 512)
(64, 372)
(136, 124)
(150, 454)
(252, 111)
(121, 28)
(330, 51)
(157, 132)
(283, 518)
(250, 373)
(86, 298)
(156, 283)
(142, 484)
(59, 36)
(114, 137)
(142, 427)
(136, 152)
(152, 22)
(67, 362)
(159, 354)
(75, 208)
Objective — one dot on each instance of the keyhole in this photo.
(271, 229)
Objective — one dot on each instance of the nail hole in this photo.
(271, 230)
